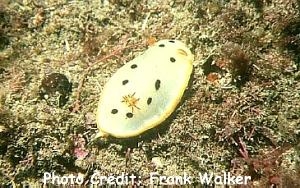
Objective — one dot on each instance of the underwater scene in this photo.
(162, 93)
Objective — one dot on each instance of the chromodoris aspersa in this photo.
(145, 91)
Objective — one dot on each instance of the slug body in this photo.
(145, 91)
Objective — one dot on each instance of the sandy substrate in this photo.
(240, 113)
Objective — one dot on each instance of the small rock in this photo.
(157, 162)
(55, 89)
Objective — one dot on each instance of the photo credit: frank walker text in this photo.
(154, 178)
